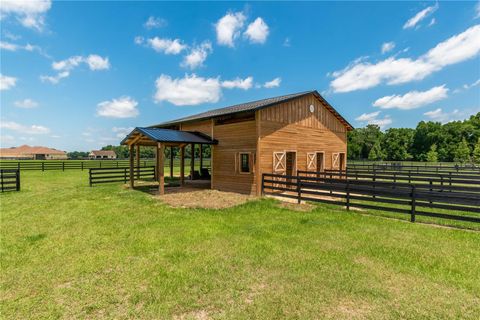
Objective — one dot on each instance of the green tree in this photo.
(462, 153)
(397, 143)
(432, 154)
(476, 152)
(376, 153)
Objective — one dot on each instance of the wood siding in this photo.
(204, 127)
(291, 126)
(232, 139)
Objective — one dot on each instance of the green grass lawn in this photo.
(70, 251)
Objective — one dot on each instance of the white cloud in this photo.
(287, 42)
(155, 22)
(167, 46)
(15, 47)
(412, 22)
(26, 104)
(6, 82)
(412, 99)
(273, 83)
(14, 126)
(257, 31)
(474, 84)
(368, 116)
(477, 10)
(363, 75)
(387, 47)
(123, 107)
(441, 116)
(190, 90)
(93, 61)
(244, 84)
(139, 40)
(121, 132)
(432, 22)
(197, 55)
(372, 118)
(30, 14)
(228, 28)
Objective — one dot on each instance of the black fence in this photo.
(415, 168)
(46, 165)
(108, 175)
(9, 180)
(398, 197)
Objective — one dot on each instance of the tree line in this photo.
(430, 141)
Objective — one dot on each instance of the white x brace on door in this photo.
(312, 161)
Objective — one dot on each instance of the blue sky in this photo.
(80, 75)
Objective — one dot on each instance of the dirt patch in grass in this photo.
(302, 207)
(209, 199)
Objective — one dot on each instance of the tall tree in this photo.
(432, 154)
(462, 153)
(476, 152)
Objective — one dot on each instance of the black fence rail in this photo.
(396, 197)
(445, 180)
(417, 168)
(9, 180)
(109, 175)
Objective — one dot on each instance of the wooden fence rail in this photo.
(396, 197)
(9, 180)
(81, 165)
(417, 168)
(108, 175)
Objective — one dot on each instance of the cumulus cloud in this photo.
(190, 90)
(166, 46)
(387, 47)
(64, 67)
(412, 99)
(24, 129)
(413, 21)
(26, 103)
(442, 116)
(228, 28)
(363, 75)
(273, 83)
(6, 82)
(238, 83)
(197, 55)
(30, 14)
(123, 107)
(257, 31)
(372, 118)
(471, 85)
(155, 22)
(121, 132)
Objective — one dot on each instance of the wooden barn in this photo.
(282, 135)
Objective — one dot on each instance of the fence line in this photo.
(9, 180)
(108, 175)
(412, 199)
(46, 165)
(418, 168)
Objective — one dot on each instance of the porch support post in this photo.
(137, 160)
(160, 168)
(182, 165)
(201, 158)
(171, 162)
(192, 161)
(155, 149)
(131, 165)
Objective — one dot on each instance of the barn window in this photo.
(245, 163)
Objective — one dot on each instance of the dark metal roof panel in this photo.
(172, 136)
(248, 106)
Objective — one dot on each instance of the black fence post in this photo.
(1, 176)
(263, 185)
(17, 178)
(431, 191)
(43, 166)
(347, 188)
(412, 212)
(18, 165)
(124, 174)
(63, 165)
(81, 165)
(299, 190)
(90, 177)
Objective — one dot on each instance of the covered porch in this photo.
(160, 139)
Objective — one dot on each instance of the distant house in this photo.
(32, 153)
(102, 154)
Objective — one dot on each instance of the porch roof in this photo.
(168, 136)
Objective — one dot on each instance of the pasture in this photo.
(71, 251)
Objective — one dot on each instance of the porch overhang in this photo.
(168, 137)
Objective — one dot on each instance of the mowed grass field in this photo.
(69, 251)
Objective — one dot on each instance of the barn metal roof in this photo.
(171, 136)
(252, 106)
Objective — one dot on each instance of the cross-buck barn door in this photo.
(279, 167)
(312, 162)
(335, 161)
